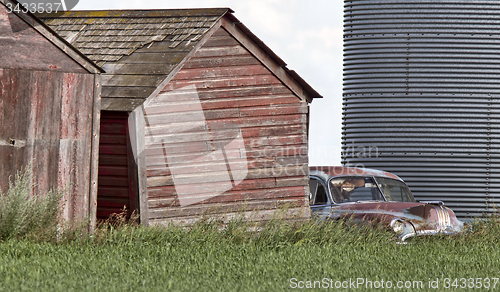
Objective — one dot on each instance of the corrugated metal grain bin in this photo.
(49, 111)
(198, 114)
(421, 97)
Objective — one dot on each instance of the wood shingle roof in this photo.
(136, 48)
(107, 36)
(140, 50)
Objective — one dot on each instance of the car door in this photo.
(319, 200)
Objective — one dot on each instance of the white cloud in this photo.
(273, 17)
(330, 37)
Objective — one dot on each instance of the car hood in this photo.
(423, 216)
(409, 209)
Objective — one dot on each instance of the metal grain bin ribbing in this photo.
(421, 97)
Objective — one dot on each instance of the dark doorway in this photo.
(117, 176)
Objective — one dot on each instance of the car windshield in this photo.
(353, 189)
(395, 190)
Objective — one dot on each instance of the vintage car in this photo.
(368, 195)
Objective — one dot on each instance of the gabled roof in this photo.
(54, 38)
(140, 50)
(107, 36)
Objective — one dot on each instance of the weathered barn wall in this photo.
(247, 150)
(222, 126)
(46, 120)
(48, 112)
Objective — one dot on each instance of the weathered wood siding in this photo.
(238, 96)
(46, 120)
(22, 47)
(48, 105)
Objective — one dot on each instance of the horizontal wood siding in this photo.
(238, 96)
(46, 120)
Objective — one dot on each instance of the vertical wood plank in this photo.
(9, 85)
(132, 173)
(137, 133)
(67, 134)
(48, 91)
(94, 162)
(19, 158)
(83, 93)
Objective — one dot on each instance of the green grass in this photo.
(209, 257)
(39, 253)
(24, 214)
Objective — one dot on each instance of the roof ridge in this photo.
(136, 13)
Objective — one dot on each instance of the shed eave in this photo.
(308, 92)
(55, 39)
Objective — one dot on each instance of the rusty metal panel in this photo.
(421, 97)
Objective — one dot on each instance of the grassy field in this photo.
(36, 254)
(282, 257)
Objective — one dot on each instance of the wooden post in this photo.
(94, 162)
(137, 141)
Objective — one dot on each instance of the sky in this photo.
(307, 35)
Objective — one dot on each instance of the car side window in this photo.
(395, 193)
(318, 192)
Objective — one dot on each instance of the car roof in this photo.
(332, 171)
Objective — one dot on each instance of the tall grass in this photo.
(25, 214)
(210, 256)
(215, 256)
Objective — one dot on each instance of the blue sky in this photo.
(307, 35)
